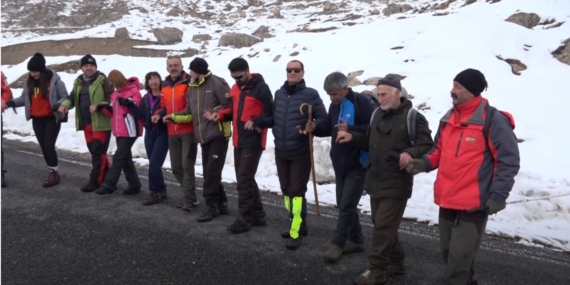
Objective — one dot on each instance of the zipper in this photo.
(286, 117)
(459, 143)
(173, 88)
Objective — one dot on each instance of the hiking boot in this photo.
(52, 179)
(395, 269)
(258, 222)
(4, 184)
(155, 198)
(208, 213)
(285, 234)
(131, 190)
(351, 247)
(333, 254)
(293, 244)
(187, 206)
(89, 187)
(371, 277)
(239, 226)
(223, 209)
(259, 213)
(104, 190)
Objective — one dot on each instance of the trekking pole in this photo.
(537, 199)
(310, 115)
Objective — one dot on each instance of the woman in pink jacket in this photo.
(126, 128)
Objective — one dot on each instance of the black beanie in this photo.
(473, 80)
(390, 80)
(199, 65)
(88, 59)
(37, 62)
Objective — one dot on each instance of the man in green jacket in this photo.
(90, 89)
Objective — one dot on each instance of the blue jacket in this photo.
(287, 116)
(356, 110)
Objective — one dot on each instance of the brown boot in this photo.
(333, 254)
(371, 277)
(52, 179)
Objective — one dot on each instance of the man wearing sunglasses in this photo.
(387, 181)
(292, 155)
(251, 114)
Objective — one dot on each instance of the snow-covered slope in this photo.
(434, 49)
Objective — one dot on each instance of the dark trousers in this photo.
(122, 161)
(156, 146)
(213, 160)
(460, 235)
(183, 152)
(98, 144)
(349, 188)
(386, 248)
(46, 130)
(246, 161)
(2, 146)
(294, 172)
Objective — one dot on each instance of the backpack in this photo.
(411, 122)
(370, 96)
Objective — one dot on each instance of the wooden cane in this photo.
(310, 115)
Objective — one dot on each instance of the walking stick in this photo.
(310, 115)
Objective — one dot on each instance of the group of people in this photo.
(377, 145)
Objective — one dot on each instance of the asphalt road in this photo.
(60, 235)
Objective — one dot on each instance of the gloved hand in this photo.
(493, 207)
(103, 105)
(127, 102)
(416, 166)
(11, 104)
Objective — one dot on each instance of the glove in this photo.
(11, 104)
(493, 207)
(102, 106)
(122, 101)
(416, 166)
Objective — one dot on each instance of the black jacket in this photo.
(144, 113)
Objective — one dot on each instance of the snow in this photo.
(470, 37)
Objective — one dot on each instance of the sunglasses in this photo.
(239, 76)
(296, 70)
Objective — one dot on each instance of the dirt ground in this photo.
(15, 54)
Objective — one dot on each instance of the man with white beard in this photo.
(389, 185)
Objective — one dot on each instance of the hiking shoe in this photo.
(371, 277)
(155, 198)
(52, 179)
(89, 187)
(259, 213)
(239, 226)
(395, 269)
(208, 213)
(4, 184)
(187, 206)
(258, 222)
(131, 190)
(285, 234)
(333, 254)
(223, 209)
(104, 190)
(352, 247)
(293, 244)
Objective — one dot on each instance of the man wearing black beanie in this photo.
(90, 89)
(208, 92)
(476, 172)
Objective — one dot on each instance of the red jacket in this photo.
(470, 171)
(6, 91)
(252, 102)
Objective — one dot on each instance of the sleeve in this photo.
(62, 93)
(320, 114)
(361, 140)
(226, 114)
(21, 101)
(107, 110)
(424, 141)
(108, 89)
(6, 91)
(431, 159)
(162, 111)
(222, 93)
(366, 109)
(266, 118)
(505, 150)
(323, 128)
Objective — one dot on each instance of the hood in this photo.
(168, 80)
(133, 85)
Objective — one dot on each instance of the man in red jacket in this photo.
(6, 96)
(477, 157)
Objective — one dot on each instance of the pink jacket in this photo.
(124, 122)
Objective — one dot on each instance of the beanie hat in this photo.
(199, 65)
(390, 80)
(37, 62)
(88, 59)
(473, 80)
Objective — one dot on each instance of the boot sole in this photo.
(304, 234)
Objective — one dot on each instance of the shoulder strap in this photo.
(412, 124)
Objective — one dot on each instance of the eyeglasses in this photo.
(296, 70)
(239, 76)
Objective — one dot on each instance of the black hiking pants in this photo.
(122, 161)
(349, 187)
(47, 130)
(213, 160)
(460, 235)
(246, 161)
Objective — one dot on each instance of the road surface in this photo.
(60, 235)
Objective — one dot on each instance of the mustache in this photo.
(454, 96)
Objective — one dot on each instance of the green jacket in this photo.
(99, 91)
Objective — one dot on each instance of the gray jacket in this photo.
(57, 93)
